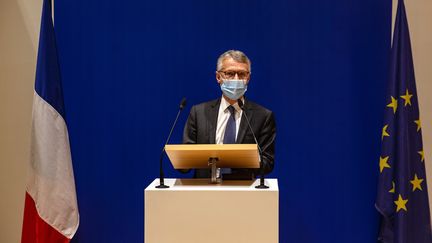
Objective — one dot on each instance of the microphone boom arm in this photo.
(161, 171)
(261, 162)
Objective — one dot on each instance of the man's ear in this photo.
(218, 77)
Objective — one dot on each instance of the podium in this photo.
(187, 156)
(195, 211)
(193, 156)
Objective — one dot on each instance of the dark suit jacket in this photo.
(200, 128)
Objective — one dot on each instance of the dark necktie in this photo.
(230, 130)
(230, 134)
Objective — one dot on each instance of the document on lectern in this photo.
(192, 156)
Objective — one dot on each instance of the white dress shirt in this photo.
(223, 116)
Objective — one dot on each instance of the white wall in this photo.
(19, 28)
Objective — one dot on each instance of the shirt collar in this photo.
(224, 104)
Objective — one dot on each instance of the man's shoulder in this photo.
(207, 104)
(248, 105)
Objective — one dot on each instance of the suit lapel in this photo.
(243, 123)
(212, 114)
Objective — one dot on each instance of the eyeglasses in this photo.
(232, 74)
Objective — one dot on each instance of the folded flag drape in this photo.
(50, 211)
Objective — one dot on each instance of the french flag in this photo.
(50, 211)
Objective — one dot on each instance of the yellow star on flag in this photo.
(407, 98)
(383, 163)
(384, 132)
(393, 104)
(393, 189)
(422, 155)
(416, 182)
(418, 122)
(401, 203)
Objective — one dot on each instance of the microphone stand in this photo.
(262, 184)
(161, 171)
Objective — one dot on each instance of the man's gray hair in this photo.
(238, 56)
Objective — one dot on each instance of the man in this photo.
(221, 121)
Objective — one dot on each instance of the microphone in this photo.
(162, 176)
(182, 103)
(261, 185)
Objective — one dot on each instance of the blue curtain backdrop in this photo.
(321, 66)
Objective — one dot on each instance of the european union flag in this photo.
(402, 197)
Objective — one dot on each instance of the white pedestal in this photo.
(194, 211)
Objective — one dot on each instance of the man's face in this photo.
(233, 70)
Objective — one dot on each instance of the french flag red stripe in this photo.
(35, 229)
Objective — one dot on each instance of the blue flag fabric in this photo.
(48, 83)
(402, 197)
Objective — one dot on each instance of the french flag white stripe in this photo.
(51, 181)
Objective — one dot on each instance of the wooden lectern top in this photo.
(191, 156)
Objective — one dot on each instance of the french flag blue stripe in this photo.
(48, 83)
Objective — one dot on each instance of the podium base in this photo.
(195, 208)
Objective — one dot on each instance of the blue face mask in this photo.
(233, 88)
